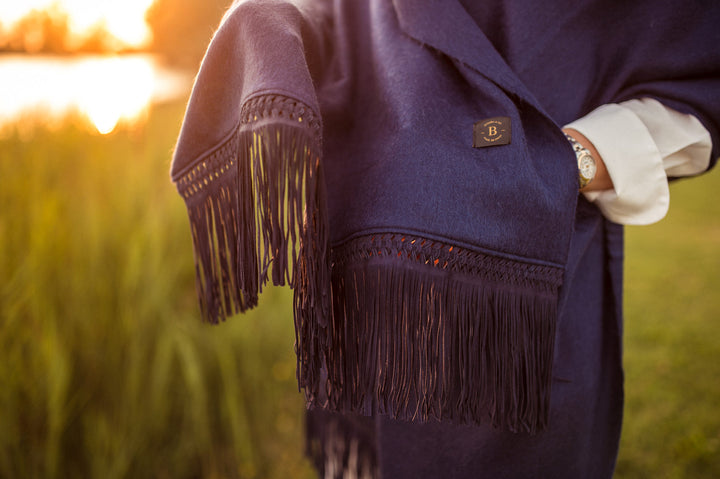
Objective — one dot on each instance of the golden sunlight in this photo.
(103, 90)
(124, 20)
(120, 89)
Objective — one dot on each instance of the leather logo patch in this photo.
(491, 132)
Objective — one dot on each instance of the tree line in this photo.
(181, 30)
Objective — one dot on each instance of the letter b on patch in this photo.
(491, 132)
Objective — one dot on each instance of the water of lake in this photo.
(105, 91)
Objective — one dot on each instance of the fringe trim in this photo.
(423, 330)
(341, 445)
(257, 210)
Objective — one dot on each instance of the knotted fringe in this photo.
(257, 209)
(423, 330)
(341, 445)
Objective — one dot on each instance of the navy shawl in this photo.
(329, 145)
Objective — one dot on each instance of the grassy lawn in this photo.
(106, 370)
(672, 339)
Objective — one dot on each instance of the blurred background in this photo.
(105, 368)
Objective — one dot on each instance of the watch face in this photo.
(587, 167)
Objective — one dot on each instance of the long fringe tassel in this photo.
(257, 210)
(211, 194)
(422, 339)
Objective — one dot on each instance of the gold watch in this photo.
(586, 163)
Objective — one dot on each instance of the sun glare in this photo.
(104, 90)
(122, 19)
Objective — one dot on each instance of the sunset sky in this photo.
(123, 19)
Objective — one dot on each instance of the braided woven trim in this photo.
(258, 110)
(279, 108)
(448, 257)
(208, 169)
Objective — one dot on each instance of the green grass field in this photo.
(107, 372)
(672, 339)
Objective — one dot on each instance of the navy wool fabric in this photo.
(467, 300)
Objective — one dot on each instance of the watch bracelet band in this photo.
(580, 152)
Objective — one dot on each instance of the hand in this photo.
(602, 180)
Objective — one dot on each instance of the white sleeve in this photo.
(642, 142)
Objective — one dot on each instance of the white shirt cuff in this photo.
(641, 142)
(683, 142)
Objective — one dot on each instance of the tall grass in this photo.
(105, 368)
(107, 372)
